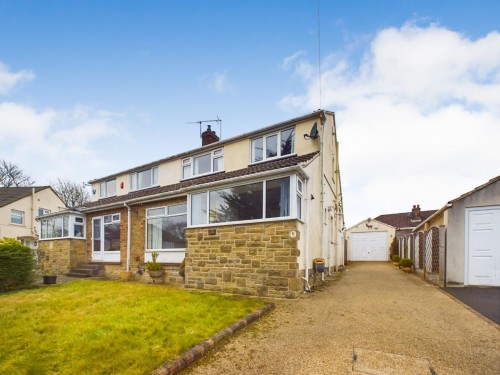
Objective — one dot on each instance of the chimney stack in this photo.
(208, 137)
(415, 213)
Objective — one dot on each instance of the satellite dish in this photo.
(314, 131)
(313, 134)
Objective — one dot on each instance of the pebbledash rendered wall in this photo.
(250, 259)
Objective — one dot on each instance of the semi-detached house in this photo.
(248, 214)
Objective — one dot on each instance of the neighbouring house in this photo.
(469, 232)
(370, 240)
(19, 206)
(248, 214)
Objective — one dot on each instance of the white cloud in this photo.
(10, 79)
(418, 117)
(288, 61)
(220, 83)
(48, 144)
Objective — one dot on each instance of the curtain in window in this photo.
(154, 233)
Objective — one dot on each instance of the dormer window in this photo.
(203, 164)
(107, 189)
(273, 145)
(144, 179)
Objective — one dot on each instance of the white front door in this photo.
(106, 238)
(483, 246)
(369, 246)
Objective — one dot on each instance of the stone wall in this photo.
(251, 259)
(57, 256)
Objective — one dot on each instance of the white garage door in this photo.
(369, 246)
(483, 246)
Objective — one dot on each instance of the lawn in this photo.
(107, 327)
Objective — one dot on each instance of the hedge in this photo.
(17, 265)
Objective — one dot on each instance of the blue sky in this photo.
(88, 88)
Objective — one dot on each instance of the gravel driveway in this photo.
(369, 319)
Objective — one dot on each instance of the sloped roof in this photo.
(475, 190)
(403, 219)
(216, 177)
(218, 144)
(12, 194)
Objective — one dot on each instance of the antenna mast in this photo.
(319, 53)
(218, 121)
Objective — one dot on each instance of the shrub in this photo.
(405, 262)
(154, 265)
(17, 265)
(396, 258)
(182, 268)
(394, 246)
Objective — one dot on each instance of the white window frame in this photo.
(188, 164)
(134, 179)
(43, 211)
(161, 215)
(264, 138)
(17, 213)
(115, 218)
(104, 189)
(292, 202)
(299, 190)
(71, 227)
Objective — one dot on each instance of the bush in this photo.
(396, 258)
(394, 249)
(17, 265)
(405, 262)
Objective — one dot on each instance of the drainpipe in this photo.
(32, 221)
(128, 235)
(323, 121)
(306, 223)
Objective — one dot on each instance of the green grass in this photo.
(107, 327)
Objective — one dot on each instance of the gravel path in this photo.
(390, 322)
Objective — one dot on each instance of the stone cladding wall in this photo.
(250, 259)
(58, 256)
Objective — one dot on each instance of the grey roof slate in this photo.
(12, 194)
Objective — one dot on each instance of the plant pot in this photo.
(49, 279)
(158, 273)
(126, 275)
(407, 269)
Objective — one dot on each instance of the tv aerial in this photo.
(218, 121)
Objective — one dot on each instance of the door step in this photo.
(87, 270)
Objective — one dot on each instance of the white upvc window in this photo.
(274, 145)
(66, 226)
(17, 217)
(144, 179)
(210, 162)
(43, 211)
(165, 227)
(299, 198)
(107, 189)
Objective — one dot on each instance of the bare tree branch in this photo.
(11, 175)
(71, 193)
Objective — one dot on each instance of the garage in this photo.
(483, 246)
(369, 246)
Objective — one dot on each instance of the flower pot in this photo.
(49, 279)
(155, 273)
(406, 269)
(126, 275)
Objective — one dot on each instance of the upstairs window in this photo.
(17, 217)
(43, 211)
(273, 145)
(144, 179)
(203, 164)
(107, 189)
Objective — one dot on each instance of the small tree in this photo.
(71, 193)
(394, 246)
(17, 265)
(12, 175)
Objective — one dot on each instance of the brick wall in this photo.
(56, 257)
(252, 259)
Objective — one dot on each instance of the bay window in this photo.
(65, 226)
(273, 145)
(166, 227)
(253, 201)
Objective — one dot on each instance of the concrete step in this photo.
(75, 273)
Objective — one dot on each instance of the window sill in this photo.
(272, 159)
(202, 175)
(244, 222)
(149, 187)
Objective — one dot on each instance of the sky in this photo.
(90, 88)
